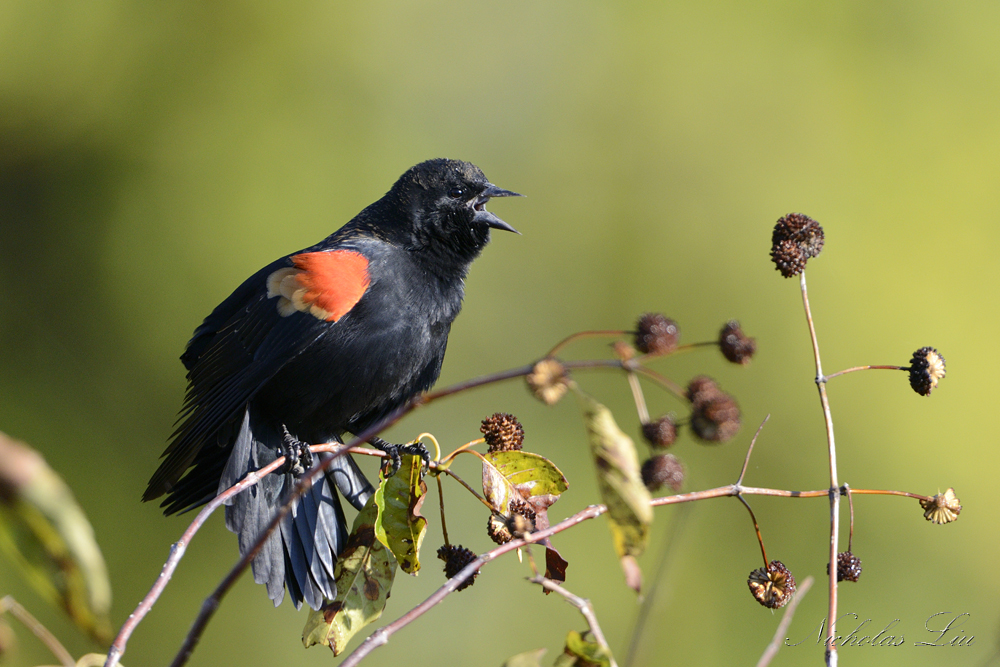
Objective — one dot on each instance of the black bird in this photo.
(321, 342)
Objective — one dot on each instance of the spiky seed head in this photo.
(736, 346)
(772, 587)
(926, 369)
(796, 239)
(656, 334)
(455, 558)
(663, 470)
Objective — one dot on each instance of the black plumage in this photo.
(321, 342)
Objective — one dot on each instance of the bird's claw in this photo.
(394, 455)
(298, 456)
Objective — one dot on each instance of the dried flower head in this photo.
(716, 419)
(702, 388)
(772, 587)
(942, 508)
(664, 469)
(548, 381)
(656, 334)
(520, 517)
(736, 346)
(502, 432)
(848, 567)
(660, 433)
(455, 558)
(795, 240)
(496, 528)
(926, 368)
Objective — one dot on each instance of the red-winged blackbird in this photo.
(324, 341)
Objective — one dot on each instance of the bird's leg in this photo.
(298, 457)
(394, 453)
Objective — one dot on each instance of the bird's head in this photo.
(446, 202)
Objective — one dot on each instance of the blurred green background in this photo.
(152, 155)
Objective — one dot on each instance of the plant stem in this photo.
(831, 646)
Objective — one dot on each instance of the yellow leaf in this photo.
(364, 575)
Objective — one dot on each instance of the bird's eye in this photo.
(456, 192)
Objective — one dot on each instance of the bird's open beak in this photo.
(487, 218)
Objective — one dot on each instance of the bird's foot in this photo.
(298, 457)
(395, 452)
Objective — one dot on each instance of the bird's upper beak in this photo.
(487, 218)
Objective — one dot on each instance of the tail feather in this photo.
(301, 554)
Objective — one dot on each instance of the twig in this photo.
(583, 334)
(586, 609)
(850, 503)
(176, 553)
(867, 368)
(756, 527)
(9, 604)
(444, 525)
(451, 473)
(381, 636)
(640, 400)
(782, 632)
(753, 441)
(831, 646)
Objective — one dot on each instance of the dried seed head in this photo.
(660, 433)
(455, 558)
(772, 587)
(736, 346)
(716, 419)
(548, 381)
(502, 432)
(496, 528)
(702, 388)
(795, 240)
(520, 517)
(926, 368)
(942, 508)
(656, 334)
(848, 567)
(665, 469)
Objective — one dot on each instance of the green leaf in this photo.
(581, 653)
(522, 476)
(399, 525)
(44, 530)
(620, 483)
(532, 474)
(526, 659)
(364, 574)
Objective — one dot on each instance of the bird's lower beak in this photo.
(487, 218)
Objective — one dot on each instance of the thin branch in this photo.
(584, 334)
(640, 400)
(867, 368)
(753, 441)
(782, 632)
(663, 381)
(176, 553)
(831, 646)
(444, 526)
(586, 609)
(850, 503)
(756, 527)
(9, 604)
(381, 636)
(451, 473)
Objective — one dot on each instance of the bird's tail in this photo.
(302, 552)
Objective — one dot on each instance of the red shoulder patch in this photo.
(327, 284)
